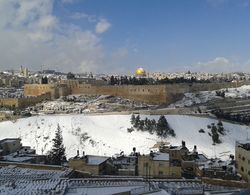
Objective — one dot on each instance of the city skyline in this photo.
(119, 36)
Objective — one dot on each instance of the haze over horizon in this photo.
(119, 36)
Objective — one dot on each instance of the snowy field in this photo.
(107, 134)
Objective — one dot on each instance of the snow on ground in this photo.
(87, 103)
(107, 134)
(190, 99)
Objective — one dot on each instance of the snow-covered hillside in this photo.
(107, 134)
(190, 99)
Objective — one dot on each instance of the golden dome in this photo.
(140, 72)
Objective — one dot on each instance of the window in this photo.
(248, 161)
(160, 173)
(161, 164)
(243, 158)
(242, 169)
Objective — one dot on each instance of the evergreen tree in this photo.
(126, 82)
(57, 153)
(220, 127)
(153, 124)
(147, 124)
(112, 80)
(132, 120)
(137, 121)
(163, 128)
(215, 135)
(141, 125)
(70, 76)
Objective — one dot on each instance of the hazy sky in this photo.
(120, 35)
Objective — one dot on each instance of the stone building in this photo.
(126, 165)
(96, 165)
(242, 157)
(157, 165)
(10, 145)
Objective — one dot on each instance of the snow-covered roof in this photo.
(9, 140)
(201, 158)
(215, 163)
(247, 141)
(161, 156)
(17, 158)
(96, 160)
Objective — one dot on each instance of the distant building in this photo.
(24, 72)
(48, 71)
(140, 72)
(242, 157)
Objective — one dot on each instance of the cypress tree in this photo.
(57, 153)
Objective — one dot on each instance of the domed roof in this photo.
(140, 72)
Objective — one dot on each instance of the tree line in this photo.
(124, 80)
(161, 127)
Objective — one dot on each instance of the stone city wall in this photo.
(56, 91)
(9, 102)
(153, 94)
(23, 102)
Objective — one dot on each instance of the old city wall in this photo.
(29, 101)
(9, 102)
(146, 93)
(23, 102)
(153, 94)
(33, 90)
